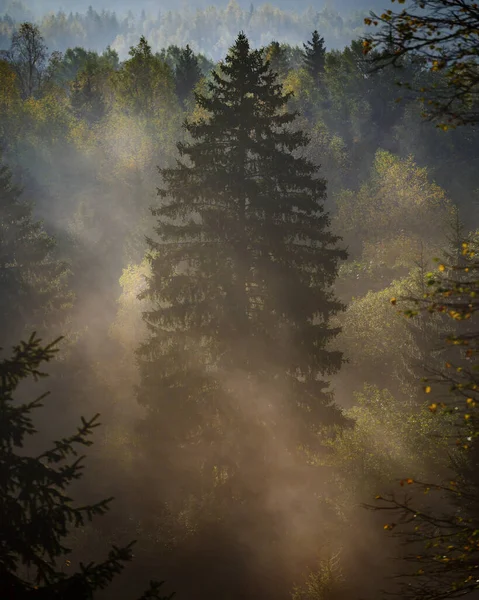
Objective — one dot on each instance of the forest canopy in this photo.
(258, 257)
(209, 29)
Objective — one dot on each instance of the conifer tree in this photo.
(314, 56)
(187, 73)
(37, 512)
(241, 276)
(33, 282)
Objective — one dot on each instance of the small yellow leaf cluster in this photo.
(457, 316)
(437, 65)
(367, 46)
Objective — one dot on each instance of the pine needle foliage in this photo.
(314, 56)
(37, 512)
(242, 268)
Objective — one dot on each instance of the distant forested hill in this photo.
(208, 27)
(41, 6)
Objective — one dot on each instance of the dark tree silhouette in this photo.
(187, 73)
(314, 56)
(241, 279)
(37, 513)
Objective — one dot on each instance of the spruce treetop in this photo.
(314, 56)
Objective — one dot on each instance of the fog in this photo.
(236, 480)
(150, 6)
(209, 29)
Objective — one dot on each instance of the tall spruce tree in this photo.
(314, 56)
(33, 282)
(241, 278)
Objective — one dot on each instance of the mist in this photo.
(209, 29)
(149, 6)
(255, 382)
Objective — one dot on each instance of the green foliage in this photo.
(144, 83)
(384, 225)
(240, 284)
(87, 75)
(90, 137)
(387, 215)
(391, 436)
(76, 60)
(330, 152)
(371, 334)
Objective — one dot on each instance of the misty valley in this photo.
(239, 289)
